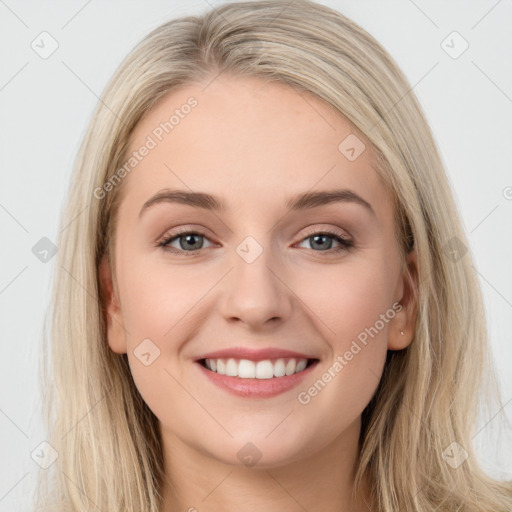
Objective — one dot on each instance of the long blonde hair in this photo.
(107, 438)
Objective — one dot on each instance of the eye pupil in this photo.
(187, 238)
(315, 237)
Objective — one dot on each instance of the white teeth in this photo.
(231, 368)
(246, 369)
(280, 368)
(290, 367)
(301, 365)
(264, 370)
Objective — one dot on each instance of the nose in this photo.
(255, 293)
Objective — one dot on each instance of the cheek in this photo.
(160, 306)
(349, 299)
(353, 308)
(157, 297)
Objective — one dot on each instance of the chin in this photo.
(258, 452)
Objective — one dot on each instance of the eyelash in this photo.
(345, 244)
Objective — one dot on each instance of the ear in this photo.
(111, 309)
(407, 305)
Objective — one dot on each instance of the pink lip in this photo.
(256, 388)
(254, 355)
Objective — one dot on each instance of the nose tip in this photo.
(253, 293)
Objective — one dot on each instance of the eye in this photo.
(320, 239)
(188, 241)
(191, 242)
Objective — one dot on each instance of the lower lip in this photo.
(257, 388)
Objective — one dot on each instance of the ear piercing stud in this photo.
(402, 333)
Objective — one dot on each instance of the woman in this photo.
(212, 349)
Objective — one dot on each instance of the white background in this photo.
(46, 103)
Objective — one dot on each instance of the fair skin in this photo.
(254, 145)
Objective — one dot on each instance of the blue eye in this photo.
(190, 242)
(186, 239)
(321, 239)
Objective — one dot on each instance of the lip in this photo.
(256, 388)
(254, 354)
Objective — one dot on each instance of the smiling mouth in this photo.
(264, 369)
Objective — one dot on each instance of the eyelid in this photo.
(327, 230)
(311, 230)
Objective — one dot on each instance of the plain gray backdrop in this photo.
(46, 102)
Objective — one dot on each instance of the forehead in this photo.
(249, 140)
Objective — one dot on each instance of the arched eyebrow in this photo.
(303, 201)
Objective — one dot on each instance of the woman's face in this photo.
(295, 258)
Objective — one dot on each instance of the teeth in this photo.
(221, 367)
(231, 368)
(264, 370)
(246, 369)
(301, 365)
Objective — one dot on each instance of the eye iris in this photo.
(314, 237)
(188, 238)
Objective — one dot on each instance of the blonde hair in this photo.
(107, 438)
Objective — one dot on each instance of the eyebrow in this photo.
(301, 201)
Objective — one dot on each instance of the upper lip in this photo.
(254, 354)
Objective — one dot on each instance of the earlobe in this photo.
(111, 309)
(402, 328)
